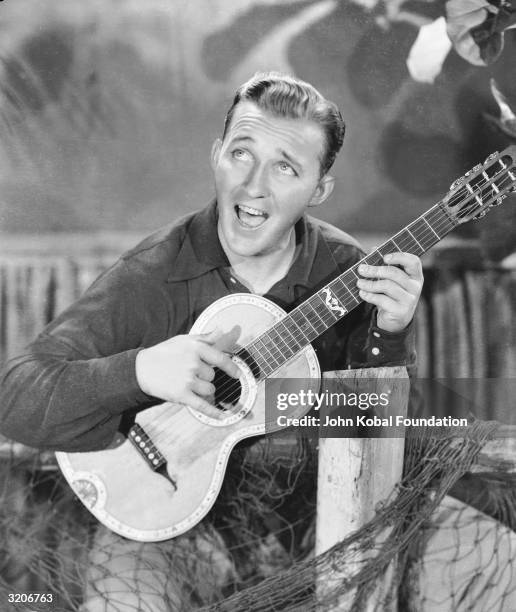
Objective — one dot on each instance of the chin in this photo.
(246, 250)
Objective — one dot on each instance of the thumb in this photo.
(224, 341)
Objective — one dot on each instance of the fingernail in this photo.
(362, 268)
(387, 257)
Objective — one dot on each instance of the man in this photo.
(125, 345)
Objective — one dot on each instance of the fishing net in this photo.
(423, 550)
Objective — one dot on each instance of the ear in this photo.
(215, 152)
(323, 190)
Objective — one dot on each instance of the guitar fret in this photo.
(314, 308)
(415, 240)
(310, 316)
(272, 345)
(297, 344)
(349, 278)
(258, 359)
(373, 259)
(326, 306)
(452, 222)
(305, 326)
(347, 299)
(385, 248)
(282, 346)
(259, 340)
(419, 229)
(432, 229)
(351, 271)
(295, 314)
(355, 299)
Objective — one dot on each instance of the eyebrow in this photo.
(288, 157)
(241, 138)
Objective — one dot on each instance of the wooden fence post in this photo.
(357, 473)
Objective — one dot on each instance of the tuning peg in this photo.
(490, 158)
(480, 215)
(474, 169)
(457, 182)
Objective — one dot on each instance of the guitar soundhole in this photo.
(227, 390)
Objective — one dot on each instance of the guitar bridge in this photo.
(144, 445)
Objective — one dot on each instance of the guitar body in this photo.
(119, 485)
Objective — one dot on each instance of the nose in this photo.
(256, 182)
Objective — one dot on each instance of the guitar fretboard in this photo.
(325, 307)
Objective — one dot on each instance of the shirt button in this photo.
(376, 334)
(375, 350)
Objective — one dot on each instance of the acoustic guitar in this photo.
(162, 477)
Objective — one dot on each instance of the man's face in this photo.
(267, 172)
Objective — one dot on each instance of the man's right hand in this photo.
(181, 369)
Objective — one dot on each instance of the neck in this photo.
(260, 272)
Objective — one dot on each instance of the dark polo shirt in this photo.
(68, 391)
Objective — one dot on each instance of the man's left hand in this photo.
(393, 290)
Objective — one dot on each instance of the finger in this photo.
(396, 274)
(214, 357)
(225, 341)
(205, 372)
(201, 387)
(210, 337)
(388, 274)
(380, 300)
(409, 262)
(201, 405)
(388, 288)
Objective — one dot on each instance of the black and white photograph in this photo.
(257, 306)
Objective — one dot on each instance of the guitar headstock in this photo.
(484, 186)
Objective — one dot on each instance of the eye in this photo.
(240, 154)
(286, 168)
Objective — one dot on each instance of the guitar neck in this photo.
(470, 197)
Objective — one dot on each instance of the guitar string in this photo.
(444, 222)
(437, 208)
(401, 245)
(422, 236)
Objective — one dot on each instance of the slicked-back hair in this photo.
(287, 96)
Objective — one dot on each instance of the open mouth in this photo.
(250, 217)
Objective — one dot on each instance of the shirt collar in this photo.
(202, 252)
(315, 262)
